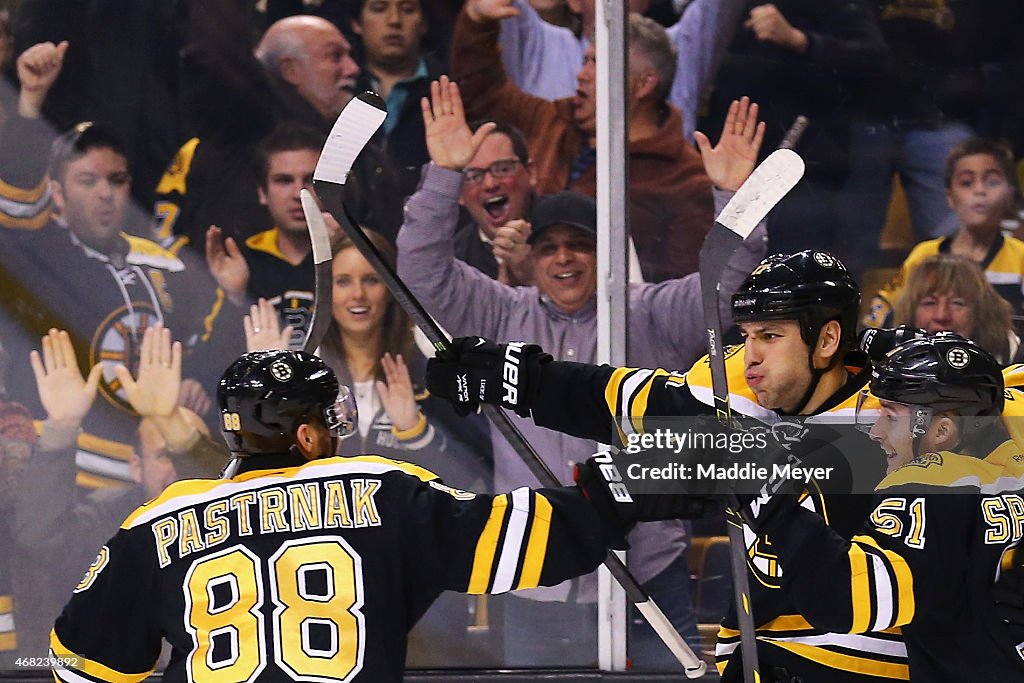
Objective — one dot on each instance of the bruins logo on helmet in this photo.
(281, 371)
(958, 358)
(825, 260)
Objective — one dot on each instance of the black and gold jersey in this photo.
(25, 202)
(307, 572)
(611, 404)
(208, 184)
(290, 288)
(939, 533)
(105, 302)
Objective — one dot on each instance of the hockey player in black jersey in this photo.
(797, 314)
(303, 566)
(943, 525)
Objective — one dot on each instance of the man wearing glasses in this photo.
(497, 193)
(552, 627)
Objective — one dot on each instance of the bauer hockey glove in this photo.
(601, 482)
(474, 370)
(774, 497)
(1008, 594)
(764, 512)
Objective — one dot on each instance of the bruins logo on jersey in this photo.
(925, 460)
(762, 559)
(295, 309)
(118, 341)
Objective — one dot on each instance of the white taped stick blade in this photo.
(692, 664)
(317, 227)
(356, 124)
(766, 186)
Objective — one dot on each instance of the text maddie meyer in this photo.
(734, 472)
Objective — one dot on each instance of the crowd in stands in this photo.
(151, 159)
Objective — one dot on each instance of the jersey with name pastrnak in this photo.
(311, 572)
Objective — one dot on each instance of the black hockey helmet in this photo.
(943, 371)
(265, 395)
(811, 287)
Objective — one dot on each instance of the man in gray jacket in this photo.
(559, 313)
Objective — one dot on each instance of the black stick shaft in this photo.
(331, 195)
(719, 246)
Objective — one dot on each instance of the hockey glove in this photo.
(762, 510)
(1008, 594)
(762, 513)
(878, 341)
(474, 370)
(601, 482)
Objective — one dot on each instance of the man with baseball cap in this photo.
(551, 626)
(563, 248)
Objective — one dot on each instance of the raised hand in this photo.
(65, 395)
(155, 392)
(449, 140)
(480, 11)
(730, 162)
(38, 68)
(396, 394)
(227, 265)
(770, 25)
(263, 328)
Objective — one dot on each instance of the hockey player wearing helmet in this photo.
(798, 317)
(932, 390)
(943, 527)
(300, 565)
(797, 314)
(283, 404)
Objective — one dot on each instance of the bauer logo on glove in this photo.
(474, 370)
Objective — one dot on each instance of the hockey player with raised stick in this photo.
(797, 314)
(305, 566)
(942, 527)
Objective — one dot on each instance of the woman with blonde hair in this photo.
(951, 293)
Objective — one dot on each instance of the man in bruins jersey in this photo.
(303, 566)
(943, 525)
(798, 315)
(84, 273)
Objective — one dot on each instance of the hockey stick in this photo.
(323, 292)
(795, 132)
(358, 122)
(768, 184)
